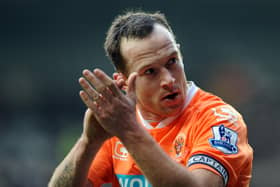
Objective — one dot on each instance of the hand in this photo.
(92, 130)
(119, 79)
(113, 110)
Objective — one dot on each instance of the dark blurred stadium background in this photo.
(230, 48)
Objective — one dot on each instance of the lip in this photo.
(170, 93)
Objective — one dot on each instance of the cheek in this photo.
(142, 92)
(144, 89)
(180, 75)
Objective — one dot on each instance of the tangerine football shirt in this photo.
(207, 134)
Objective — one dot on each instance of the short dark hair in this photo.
(131, 25)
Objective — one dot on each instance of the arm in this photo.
(73, 170)
(159, 168)
(115, 108)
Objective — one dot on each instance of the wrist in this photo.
(137, 135)
(90, 142)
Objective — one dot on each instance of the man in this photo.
(165, 131)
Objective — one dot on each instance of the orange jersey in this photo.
(207, 134)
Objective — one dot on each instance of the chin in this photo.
(173, 111)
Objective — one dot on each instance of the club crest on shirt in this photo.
(179, 144)
(224, 139)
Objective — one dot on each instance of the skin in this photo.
(158, 62)
(155, 70)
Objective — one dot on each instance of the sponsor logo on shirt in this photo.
(224, 139)
(120, 151)
(207, 160)
(133, 181)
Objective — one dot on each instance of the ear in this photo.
(121, 80)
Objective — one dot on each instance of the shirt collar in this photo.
(191, 90)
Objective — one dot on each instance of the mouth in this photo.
(170, 96)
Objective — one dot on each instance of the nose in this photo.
(167, 80)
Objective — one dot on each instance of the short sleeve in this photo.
(220, 145)
(101, 170)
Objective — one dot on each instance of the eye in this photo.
(149, 71)
(171, 61)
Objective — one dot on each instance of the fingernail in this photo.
(85, 72)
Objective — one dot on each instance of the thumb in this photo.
(131, 86)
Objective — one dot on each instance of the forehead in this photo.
(140, 52)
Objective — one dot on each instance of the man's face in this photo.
(161, 81)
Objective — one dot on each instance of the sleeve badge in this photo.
(224, 139)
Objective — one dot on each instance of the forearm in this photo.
(72, 171)
(157, 166)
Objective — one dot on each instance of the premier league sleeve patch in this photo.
(224, 139)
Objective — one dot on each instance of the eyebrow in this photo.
(173, 53)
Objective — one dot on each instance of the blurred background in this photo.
(230, 48)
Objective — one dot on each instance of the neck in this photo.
(149, 116)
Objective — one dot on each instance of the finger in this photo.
(88, 89)
(116, 75)
(120, 83)
(93, 80)
(103, 77)
(87, 101)
(119, 80)
(131, 86)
